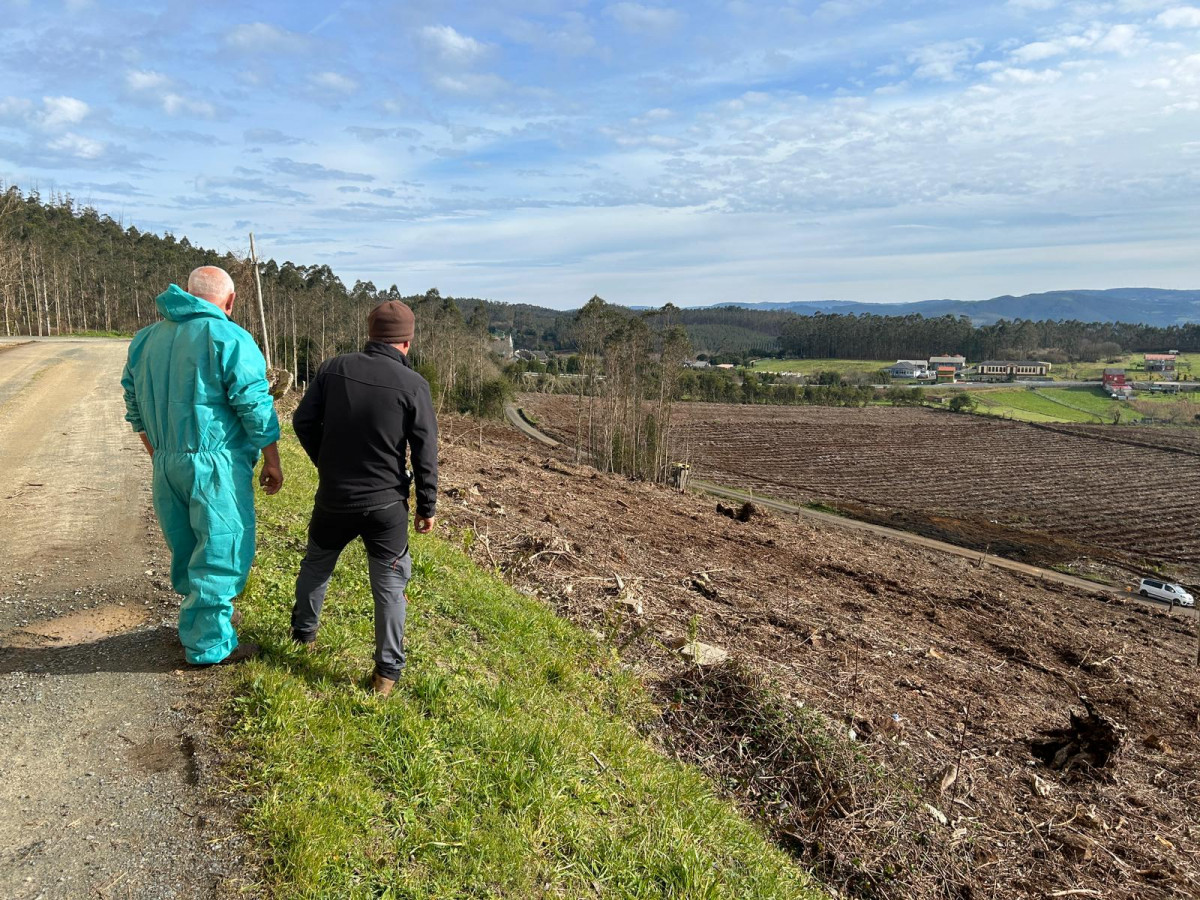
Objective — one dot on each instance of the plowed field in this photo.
(1051, 496)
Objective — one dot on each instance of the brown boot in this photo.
(305, 643)
(381, 686)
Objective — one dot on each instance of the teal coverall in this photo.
(196, 384)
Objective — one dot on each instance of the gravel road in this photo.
(105, 776)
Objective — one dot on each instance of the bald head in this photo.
(214, 285)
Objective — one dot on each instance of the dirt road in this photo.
(98, 761)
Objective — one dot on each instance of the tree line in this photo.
(67, 269)
(841, 336)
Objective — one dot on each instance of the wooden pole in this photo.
(262, 315)
(295, 351)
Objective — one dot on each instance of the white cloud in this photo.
(1179, 17)
(1121, 39)
(450, 46)
(1016, 75)
(177, 105)
(146, 80)
(58, 112)
(944, 60)
(77, 145)
(334, 82)
(14, 107)
(639, 18)
(1039, 50)
(259, 37)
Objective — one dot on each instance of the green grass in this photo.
(99, 334)
(1075, 405)
(812, 366)
(1061, 405)
(507, 762)
(1026, 406)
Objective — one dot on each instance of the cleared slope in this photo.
(976, 663)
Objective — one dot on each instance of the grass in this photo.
(508, 761)
(1026, 406)
(98, 334)
(1077, 405)
(1048, 404)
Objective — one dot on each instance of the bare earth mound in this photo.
(1052, 735)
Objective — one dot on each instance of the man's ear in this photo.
(229, 303)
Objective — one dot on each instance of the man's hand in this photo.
(146, 443)
(425, 524)
(271, 477)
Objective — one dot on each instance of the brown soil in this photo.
(1047, 494)
(80, 627)
(947, 672)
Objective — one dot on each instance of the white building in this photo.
(909, 368)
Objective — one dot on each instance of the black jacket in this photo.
(355, 421)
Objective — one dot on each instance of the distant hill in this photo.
(1151, 306)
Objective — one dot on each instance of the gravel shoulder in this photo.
(105, 776)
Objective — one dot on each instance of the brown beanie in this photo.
(390, 322)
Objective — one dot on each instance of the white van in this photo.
(1165, 591)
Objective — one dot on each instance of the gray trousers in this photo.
(385, 534)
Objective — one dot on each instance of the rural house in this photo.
(909, 368)
(1116, 385)
(1161, 362)
(1004, 369)
(958, 363)
(946, 374)
(1113, 378)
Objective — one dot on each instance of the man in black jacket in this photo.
(355, 422)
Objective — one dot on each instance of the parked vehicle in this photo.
(1165, 591)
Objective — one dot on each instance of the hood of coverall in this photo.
(178, 305)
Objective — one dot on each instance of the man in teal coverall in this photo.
(196, 393)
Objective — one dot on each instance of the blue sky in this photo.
(529, 150)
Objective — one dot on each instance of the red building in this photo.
(1114, 379)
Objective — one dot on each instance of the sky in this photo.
(700, 152)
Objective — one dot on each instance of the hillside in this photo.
(1150, 306)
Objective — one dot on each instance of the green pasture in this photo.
(1082, 405)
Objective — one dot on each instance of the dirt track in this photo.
(98, 763)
